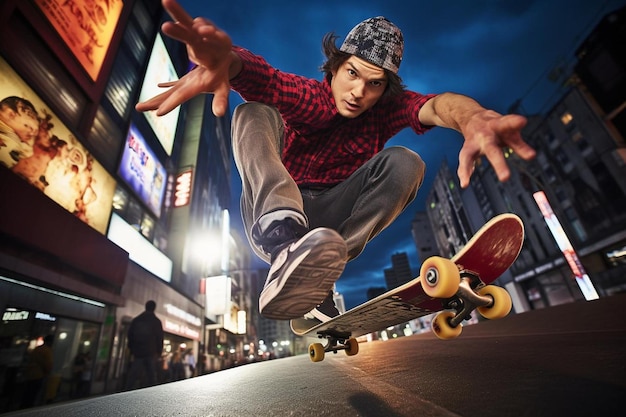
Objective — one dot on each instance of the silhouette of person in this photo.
(145, 342)
(38, 369)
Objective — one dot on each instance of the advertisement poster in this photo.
(142, 171)
(160, 69)
(35, 145)
(86, 27)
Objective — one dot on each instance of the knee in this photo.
(253, 110)
(406, 165)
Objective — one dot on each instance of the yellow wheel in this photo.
(442, 328)
(352, 347)
(440, 277)
(501, 302)
(316, 352)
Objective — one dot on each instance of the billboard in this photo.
(142, 171)
(36, 146)
(86, 27)
(160, 69)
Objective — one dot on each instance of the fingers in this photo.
(220, 100)
(177, 13)
(466, 166)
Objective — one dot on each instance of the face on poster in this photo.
(86, 27)
(36, 146)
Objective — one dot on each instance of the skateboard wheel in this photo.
(501, 305)
(316, 352)
(352, 347)
(440, 277)
(442, 328)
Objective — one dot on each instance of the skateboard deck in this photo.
(454, 287)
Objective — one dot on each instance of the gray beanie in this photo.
(378, 41)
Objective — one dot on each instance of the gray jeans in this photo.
(358, 208)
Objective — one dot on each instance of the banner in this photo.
(35, 145)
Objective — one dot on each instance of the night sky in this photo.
(497, 52)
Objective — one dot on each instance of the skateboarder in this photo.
(317, 182)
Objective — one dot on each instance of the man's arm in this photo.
(211, 49)
(485, 132)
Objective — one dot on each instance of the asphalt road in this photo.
(562, 361)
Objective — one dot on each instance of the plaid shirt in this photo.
(323, 148)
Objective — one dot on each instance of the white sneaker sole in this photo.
(320, 259)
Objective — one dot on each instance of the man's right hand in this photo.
(208, 47)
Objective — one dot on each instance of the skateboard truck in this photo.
(466, 299)
(335, 341)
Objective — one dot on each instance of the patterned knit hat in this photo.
(378, 41)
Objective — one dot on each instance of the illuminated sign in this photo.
(182, 192)
(139, 250)
(563, 242)
(86, 27)
(182, 314)
(142, 171)
(180, 329)
(15, 315)
(45, 316)
(38, 147)
(160, 69)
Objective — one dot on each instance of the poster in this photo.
(86, 27)
(36, 146)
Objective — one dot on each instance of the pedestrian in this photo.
(177, 368)
(37, 371)
(318, 182)
(190, 363)
(145, 342)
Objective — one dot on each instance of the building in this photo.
(423, 236)
(400, 271)
(104, 208)
(572, 197)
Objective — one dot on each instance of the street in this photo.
(565, 360)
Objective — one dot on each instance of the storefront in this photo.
(78, 325)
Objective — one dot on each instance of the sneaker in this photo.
(303, 269)
(324, 311)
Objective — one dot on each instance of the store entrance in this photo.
(23, 330)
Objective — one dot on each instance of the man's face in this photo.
(356, 86)
(24, 122)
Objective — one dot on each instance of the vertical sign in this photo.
(582, 279)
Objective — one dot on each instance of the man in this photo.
(145, 341)
(38, 370)
(317, 182)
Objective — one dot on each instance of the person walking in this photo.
(145, 342)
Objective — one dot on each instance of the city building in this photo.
(104, 208)
(572, 197)
(400, 271)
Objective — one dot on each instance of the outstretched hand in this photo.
(209, 48)
(486, 133)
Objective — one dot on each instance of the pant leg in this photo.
(370, 199)
(267, 186)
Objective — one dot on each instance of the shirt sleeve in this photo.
(258, 81)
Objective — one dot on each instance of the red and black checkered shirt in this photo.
(323, 148)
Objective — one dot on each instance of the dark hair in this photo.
(48, 340)
(13, 101)
(335, 58)
(150, 305)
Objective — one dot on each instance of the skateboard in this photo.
(453, 288)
